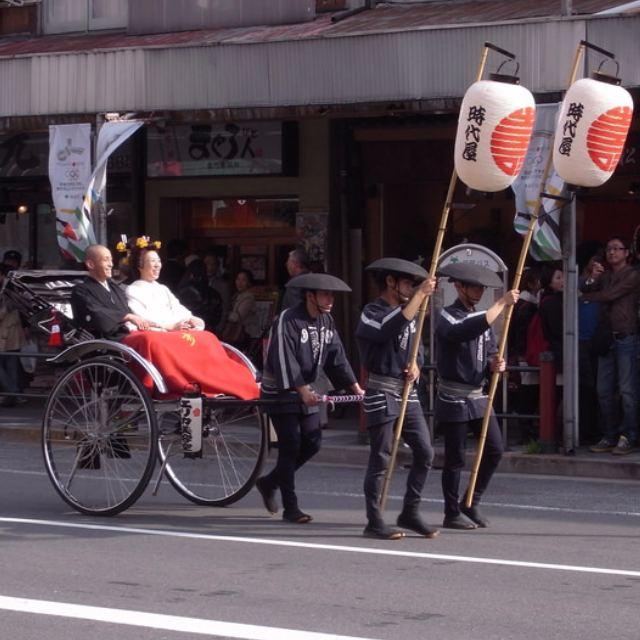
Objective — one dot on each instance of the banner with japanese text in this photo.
(528, 185)
(69, 171)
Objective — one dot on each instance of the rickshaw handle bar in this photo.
(265, 402)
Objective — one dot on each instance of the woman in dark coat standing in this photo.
(551, 313)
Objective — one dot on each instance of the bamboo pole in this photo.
(413, 356)
(526, 243)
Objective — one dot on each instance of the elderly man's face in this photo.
(100, 264)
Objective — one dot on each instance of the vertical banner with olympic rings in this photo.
(69, 173)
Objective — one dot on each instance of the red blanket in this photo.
(185, 357)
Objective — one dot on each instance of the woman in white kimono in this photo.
(183, 352)
(154, 301)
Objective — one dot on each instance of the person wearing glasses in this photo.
(617, 287)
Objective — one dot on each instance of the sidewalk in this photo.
(342, 444)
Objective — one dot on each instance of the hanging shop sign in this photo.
(217, 149)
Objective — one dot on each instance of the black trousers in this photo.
(299, 438)
(455, 444)
(416, 435)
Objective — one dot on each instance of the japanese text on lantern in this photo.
(574, 115)
(476, 117)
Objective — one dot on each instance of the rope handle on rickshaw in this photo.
(341, 399)
(337, 399)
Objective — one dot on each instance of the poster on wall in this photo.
(311, 228)
(216, 149)
(256, 264)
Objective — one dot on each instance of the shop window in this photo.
(64, 16)
(24, 154)
(18, 19)
(108, 14)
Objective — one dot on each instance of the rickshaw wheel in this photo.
(234, 446)
(99, 437)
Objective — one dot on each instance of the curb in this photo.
(358, 455)
(512, 462)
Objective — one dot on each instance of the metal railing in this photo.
(545, 417)
(547, 402)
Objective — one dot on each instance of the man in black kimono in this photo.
(100, 304)
(466, 355)
(302, 339)
(385, 335)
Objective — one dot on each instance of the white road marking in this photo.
(130, 618)
(439, 501)
(324, 547)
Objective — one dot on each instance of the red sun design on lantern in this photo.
(510, 140)
(606, 137)
(196, 413)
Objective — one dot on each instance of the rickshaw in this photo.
(103, 432)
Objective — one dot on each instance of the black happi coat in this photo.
(299, 346)
(385, 339)
(100, 311)
(464, 345)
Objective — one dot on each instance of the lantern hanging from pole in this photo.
(494, 129)
(592, 128)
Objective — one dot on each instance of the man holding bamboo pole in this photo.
(465, 353)
(385, 335)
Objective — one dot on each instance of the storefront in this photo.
(249, 191)
(400, 170)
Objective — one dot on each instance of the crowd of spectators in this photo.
(609, 344)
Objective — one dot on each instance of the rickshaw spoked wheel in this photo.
(99, 437)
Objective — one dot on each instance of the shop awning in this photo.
(396, 52)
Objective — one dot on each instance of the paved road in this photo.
(560, 561)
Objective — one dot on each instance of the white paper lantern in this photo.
(494, 129)
(592, 128)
